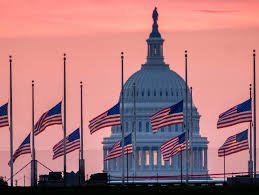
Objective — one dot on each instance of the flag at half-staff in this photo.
(167, 116)
(24, 148)
(4, 115)
(109, 118)
(173, 146)
(238, 114)
(116, 150)
(234, 144)
(72, 144)
(51, 117)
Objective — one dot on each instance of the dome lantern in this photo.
(155, 43)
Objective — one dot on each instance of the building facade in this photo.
(156, 87)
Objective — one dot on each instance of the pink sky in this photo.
(219, 36)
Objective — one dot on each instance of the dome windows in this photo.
(147, 126)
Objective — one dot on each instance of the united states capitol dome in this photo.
(156, 87)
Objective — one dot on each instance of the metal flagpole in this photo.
(135, 130)
(11, 121)
(224, 167)
(254, 74)
(127, 168)
(186, 117)
(122, 115)
(33, 162)
(81, 161)
(181, 155)
(65, 125)
(191, 138)
(250, 162)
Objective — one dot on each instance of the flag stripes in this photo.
(109, 118)
(51, 117)
(116, 150)
(238, 114)
(173, 146)
(4, 115)
(167, 116)
(234, 144)
(72, 144)
(24, 148)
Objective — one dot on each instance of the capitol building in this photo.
(156, 87)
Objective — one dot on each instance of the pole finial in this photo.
(122, 55)
(65, 56)
(32, 82)
(81, 83)
(185, 52)
(254, 52)
(10, 58)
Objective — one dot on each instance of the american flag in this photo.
(4, 115)
(24, 148)
(72, 143)
(51, 117)
(238, 114)
(173, 146)
(107, 119)
(168, 116)
(116, 150)
(235, 143)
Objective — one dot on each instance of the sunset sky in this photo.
(218, 34)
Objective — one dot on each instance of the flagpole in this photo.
(254, 74)
(250, 162)
(64, 125)
(181, 156)
(122, 113)
(186, 117)
(135, 130)
(191, 138)
(11, 121)
(81, 161)
(127, 168)
(224, 167)
(33, 162)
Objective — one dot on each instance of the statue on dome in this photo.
(155, 15)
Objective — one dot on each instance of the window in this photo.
(147, 158)
(163, 129)
(166, 93)
(148, 93)
(142, 92)
(139, 126)
(161, 93)
(162, 161)
(154, 92)
(139, 158)
(147, 126)
(155, 157)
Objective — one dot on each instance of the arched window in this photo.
(139, 126)
(154, 92)
(143, 92)
(166, 93)
(161, 92)
(148, 93)
(147, 126)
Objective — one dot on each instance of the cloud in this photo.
(211, 11)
